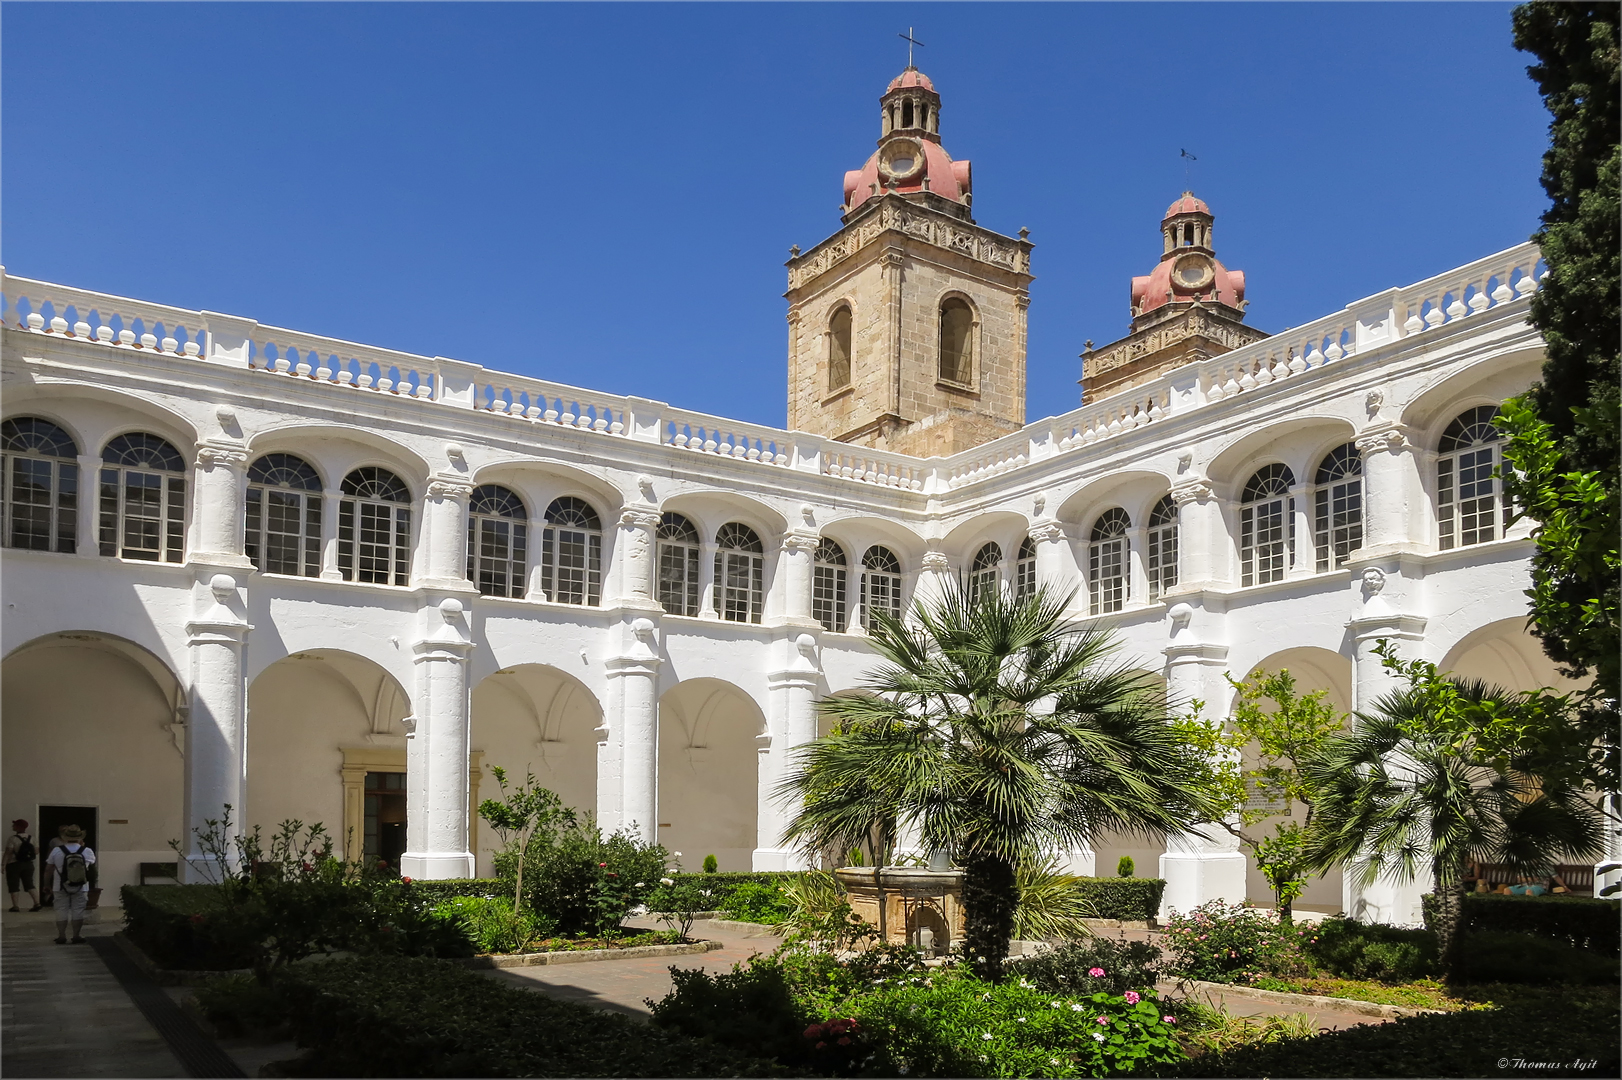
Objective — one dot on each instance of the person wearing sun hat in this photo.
(21, 857)
(70, 865)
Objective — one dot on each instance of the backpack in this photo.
(75, 870)
(25, 850)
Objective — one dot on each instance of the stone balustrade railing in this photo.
(1371, 323)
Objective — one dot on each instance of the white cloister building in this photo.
(318, 580)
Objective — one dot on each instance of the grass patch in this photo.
(632, 940)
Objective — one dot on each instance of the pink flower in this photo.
(844, 1040)
(1132, 997)
(1103, 1019)
(1096, 973)
(1169, 1019)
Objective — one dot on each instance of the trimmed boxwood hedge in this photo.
(1123, 898)
(720, 886)
(1580, 921)
(175, 926)
(1546, 1033)
(406, 1016)
(449, 888)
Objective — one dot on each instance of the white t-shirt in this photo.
(54, 859)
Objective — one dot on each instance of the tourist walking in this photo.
(21, 858)
(69, 865)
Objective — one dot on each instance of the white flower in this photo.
(666, 881)
(1075, 1008)
(1098, 1036)
(678, 854)
(1055, 1004)
(1021, 1019)
(986, 1036)
(641, 885)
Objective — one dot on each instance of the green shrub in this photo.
(241, 1006)
(1052, 905)
(583, 882)
(183, 927)
(437, 892)
(492, 925)
(393, 1016)
(1353, 950)
(1580, 921)
(710, 865)
(1549, 1026)
(1125, 867)
(1232, 943)
(751, 1010)
(1122, 898)
(1529, 958)
(757, 902)
(1068, 969)
(719, 885)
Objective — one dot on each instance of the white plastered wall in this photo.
(708, 773)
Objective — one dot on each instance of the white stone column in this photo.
(799, 547)
(437, 749)
(1396, 514)
(1304, 550)
(330, 498)
(628, 751)
(444, 533)
(1383, 609)
(636, 562)
(1202, 541)
(791, 723)
(216, 736)
(1055, 559)
(934, 577)
(219, 504)
(1198, 867)
(706, 580)
(89, 516)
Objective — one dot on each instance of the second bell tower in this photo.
(907, 326)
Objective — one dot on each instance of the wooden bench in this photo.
(1579, 879)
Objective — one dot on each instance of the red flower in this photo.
(405, 881)
(822, 1046)
(844, 1040)
(813, 1031)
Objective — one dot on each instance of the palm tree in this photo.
(1001, 733)
(1427, 780)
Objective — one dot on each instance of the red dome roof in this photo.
(946, 178)
(911, 77)
(1160, 287)
(1187, 204)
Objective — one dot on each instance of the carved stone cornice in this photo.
(1196, 490)
(1390, 437)
(439, 488)
(916, 222)
(231, 455)
(1046, 532)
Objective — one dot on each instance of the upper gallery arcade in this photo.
(317, 579)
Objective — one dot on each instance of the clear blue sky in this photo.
(605, 194)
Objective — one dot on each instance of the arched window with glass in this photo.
(828, 583)
(1470, 506)
(1025, 570)
(1108, 562)
(1161, 543)
(283, 534)
(374, 528)
(1266, 526)
(40, 466)
(740, 574)
(497, 541)
(881, 585)
(143, 499)
(985, 571)
(839, 349)
(572, 553)
(678, 565)
(1337, 507)
(957, 341)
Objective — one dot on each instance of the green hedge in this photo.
(404, 1016)
(449, 888)
(1579, 921)
(175, 925)
(1561, 1027)
(720, 886)
(1123, 898)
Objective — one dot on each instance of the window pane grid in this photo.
(496, 554)
(1107, 575)
(41, 503)
(828, 597)
(573, 559)
(1339, 523)
(739, 577)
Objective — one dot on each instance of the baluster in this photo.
(1503, 294)
(1457, 310)
(1527, 285)
(1478, 299)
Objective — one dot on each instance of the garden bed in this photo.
(584, 956)
(1351, 998)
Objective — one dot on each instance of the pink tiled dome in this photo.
(1187, 204)
(911, 77)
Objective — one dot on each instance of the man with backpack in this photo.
(21, 855)
(70, 864)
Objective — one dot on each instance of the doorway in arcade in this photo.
(385, 828)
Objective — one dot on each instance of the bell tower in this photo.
(907, 326)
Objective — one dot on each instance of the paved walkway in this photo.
(61, 1011)
(623, 985)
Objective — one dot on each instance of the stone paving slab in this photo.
(62, 1013)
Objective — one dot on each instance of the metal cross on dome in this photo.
(911, 41)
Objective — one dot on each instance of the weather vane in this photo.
(911, 41)
(1187, 168)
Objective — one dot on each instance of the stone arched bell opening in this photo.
(709, 733)
(95, 729)
(326, 744)
(1313, 669)
(534, 718)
